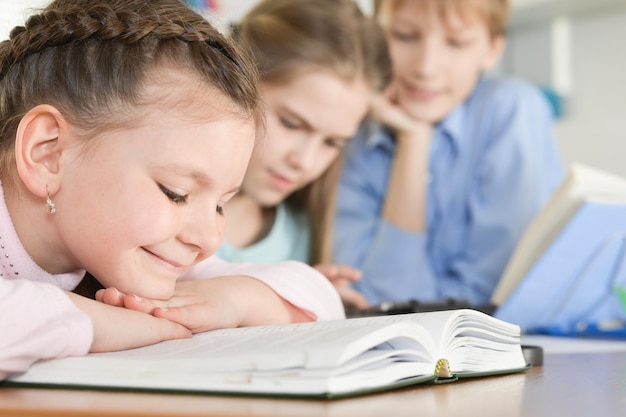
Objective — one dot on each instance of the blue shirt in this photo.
(493, 163)
(289, 239)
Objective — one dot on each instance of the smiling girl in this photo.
(125, 127)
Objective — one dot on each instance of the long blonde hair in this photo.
(288, 37)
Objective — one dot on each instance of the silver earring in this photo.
(50, 206)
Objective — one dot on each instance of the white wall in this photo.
(14, 12)
(593, 129)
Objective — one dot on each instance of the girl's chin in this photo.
(152, 292)
(272, 198)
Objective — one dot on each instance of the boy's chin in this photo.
(424, 113)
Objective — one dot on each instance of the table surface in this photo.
(568, 384)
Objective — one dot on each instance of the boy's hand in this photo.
(386, 109)
(222, 302)
(118, 328)
(341, 276)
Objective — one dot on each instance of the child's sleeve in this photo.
(391, 259)
(296, 282)
(39, 322)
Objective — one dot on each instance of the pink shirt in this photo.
(38, 321)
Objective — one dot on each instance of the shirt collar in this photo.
(453, 125)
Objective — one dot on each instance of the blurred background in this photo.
(573, 49)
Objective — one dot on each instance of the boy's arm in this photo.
(390, 258)
(405, 198)
(381, 222)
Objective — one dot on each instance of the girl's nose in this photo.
(303, 155)
(204, 231)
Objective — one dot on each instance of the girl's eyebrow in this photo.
(308, 126)
(295, 115)
(185, 171)
(197, 175)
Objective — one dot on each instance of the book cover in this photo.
(582, 183)
(574, 281)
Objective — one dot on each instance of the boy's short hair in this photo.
(495, 13)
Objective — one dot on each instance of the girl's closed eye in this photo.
(405, 36)
(458, 43)
(289, 124)
(173, 196)
(335, 143)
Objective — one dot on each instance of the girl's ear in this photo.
(38, 150)
(498, 44)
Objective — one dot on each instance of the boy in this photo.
(433, 199)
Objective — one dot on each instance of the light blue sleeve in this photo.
(388, 256)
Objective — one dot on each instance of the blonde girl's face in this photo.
(309, 120)
(140, 206)
(437, 62)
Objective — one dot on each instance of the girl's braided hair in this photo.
(89, 58)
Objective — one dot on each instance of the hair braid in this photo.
(53, 29)
(90, 59)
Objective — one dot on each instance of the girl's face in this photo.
(437, 62)
(309, 119)
(139, 206)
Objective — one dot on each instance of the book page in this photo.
(306, 345)
(475, 342)
(333, 356)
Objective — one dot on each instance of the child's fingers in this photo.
(110, 296)
(176, 314)
(134, 302)
(339, 272)
(353, 298)
(347, 272)
(329, 271)
(197, 318)
(173, 330)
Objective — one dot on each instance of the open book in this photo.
(323, 359)
(572, 245)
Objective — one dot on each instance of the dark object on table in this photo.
(415, 306)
